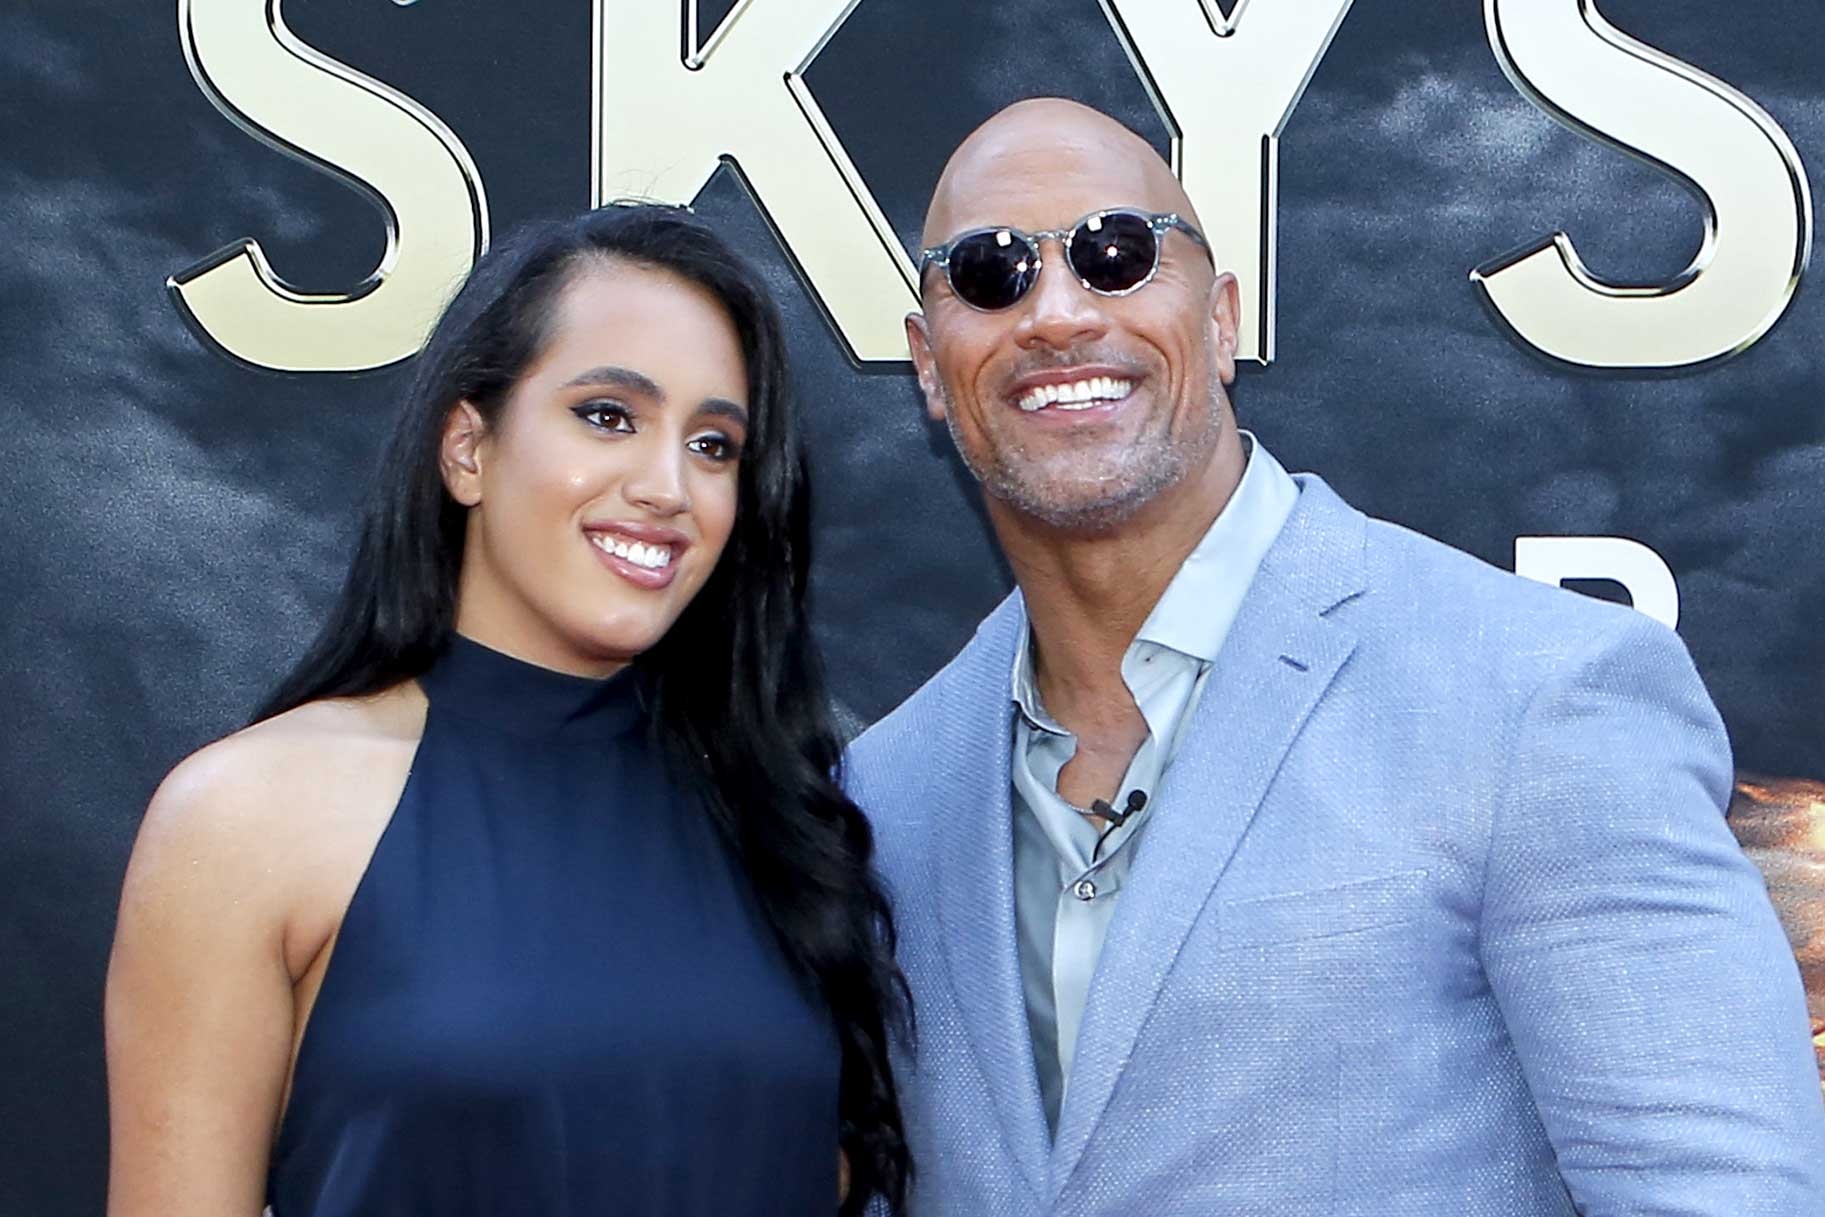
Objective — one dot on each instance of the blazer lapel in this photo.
(1279, 659)
(973, 858)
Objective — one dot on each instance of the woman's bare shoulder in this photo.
(271, 789)
(231, 892)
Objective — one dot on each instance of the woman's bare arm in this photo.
(199, 998)
(246, 861)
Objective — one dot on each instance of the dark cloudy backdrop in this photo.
(174, 524)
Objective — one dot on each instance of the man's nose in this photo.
(1059, 312)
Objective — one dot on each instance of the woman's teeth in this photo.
(652, 557)
(1080, 395)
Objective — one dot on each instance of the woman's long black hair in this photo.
(735, 686)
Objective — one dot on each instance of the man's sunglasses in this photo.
(1111, 252)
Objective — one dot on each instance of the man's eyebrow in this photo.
(620, 378)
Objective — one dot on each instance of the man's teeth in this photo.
(1079, 395)
(652, 557)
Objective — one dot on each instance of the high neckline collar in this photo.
(484, 685)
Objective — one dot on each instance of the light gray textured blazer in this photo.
(1438, 915)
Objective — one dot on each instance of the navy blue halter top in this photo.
(553, 992)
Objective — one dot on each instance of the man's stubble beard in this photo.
(1094, 489)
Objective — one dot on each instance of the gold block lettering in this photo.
(1565, 58)
(381, 142)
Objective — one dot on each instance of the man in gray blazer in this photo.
(1257, 857)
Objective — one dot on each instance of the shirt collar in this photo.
(1194, 614)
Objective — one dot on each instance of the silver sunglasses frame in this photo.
(1158, 222)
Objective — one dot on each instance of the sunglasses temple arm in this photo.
(1186, 227)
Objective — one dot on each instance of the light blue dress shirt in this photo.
(1067, 875)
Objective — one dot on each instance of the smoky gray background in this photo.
(175, 524)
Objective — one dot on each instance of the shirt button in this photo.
(1083, 889)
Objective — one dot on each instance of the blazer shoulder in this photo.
(1418, 578)
(1403, 587)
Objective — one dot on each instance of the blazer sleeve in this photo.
(1647, 987)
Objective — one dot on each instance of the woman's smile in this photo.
(643, 554)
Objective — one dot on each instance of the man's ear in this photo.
(1225, 324)
(918, 341)
(459, 456)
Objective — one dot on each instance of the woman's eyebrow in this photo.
(722, 407)
(617, 377)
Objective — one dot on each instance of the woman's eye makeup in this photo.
(618, 418)
(606, 415)
(715, 445)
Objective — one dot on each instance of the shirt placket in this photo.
(1089, 884)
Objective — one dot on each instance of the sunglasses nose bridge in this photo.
(1059, 310)
(1053, 248)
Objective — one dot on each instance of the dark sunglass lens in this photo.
(992, 270)
(1112, 253)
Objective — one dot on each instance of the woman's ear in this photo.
(460, 454)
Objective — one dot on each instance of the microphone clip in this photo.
(1132, 805)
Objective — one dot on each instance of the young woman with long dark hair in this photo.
(532, 888)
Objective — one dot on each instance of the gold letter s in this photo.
(1565, 58)
(397, 153)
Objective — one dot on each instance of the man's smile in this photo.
(1060, 394)
(1077, 395)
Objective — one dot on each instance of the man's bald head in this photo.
(1042, 149)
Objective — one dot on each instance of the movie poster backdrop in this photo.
(1525, 275)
